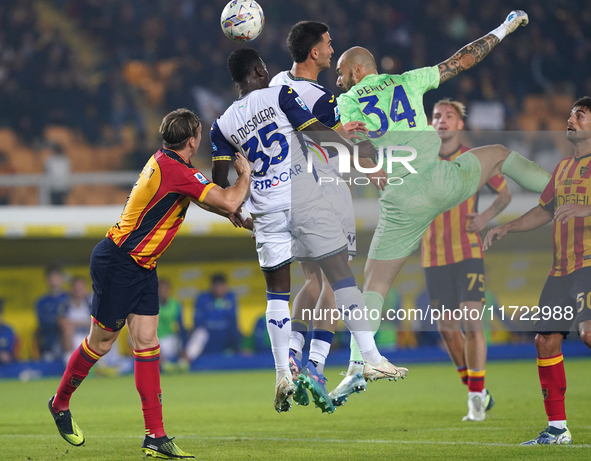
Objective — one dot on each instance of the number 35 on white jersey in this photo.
(263, 126)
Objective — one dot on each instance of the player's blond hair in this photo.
(457, 105)
(177, 127)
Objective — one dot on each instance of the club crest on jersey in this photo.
(584, 170)
(119, 323)
(202, 179)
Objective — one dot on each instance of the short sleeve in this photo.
(295, 109)
(326, 110)
(423, 79)
(192, 183)
(497, 183)
(221, 149)
(347, 108)
(548, 194)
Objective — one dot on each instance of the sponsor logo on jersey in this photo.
(276, 180)
(569, 182)
(572, 198)
(202, 179)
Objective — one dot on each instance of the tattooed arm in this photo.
(467, 57)
(475, 52)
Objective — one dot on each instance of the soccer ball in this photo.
(242, 20)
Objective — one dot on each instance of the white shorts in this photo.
(338, 195)
(308, 233)
(273, 236)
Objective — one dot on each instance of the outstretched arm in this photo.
(476, 51)
(226, 201)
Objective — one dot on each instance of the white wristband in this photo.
(500, 32)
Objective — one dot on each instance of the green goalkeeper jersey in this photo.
(392, 108)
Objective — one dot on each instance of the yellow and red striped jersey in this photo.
(447, 241)
(157, 206)
(570, 183)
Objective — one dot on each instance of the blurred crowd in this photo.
(209, 327)
(63, 316)
(95, 65)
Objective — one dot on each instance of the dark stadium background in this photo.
(95, 77)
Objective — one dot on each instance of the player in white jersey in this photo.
(310, 47)
(290, 218)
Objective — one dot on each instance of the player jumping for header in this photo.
(392, 108)
(290, 216)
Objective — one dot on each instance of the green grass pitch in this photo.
(230, 416)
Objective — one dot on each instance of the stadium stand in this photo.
(94, 76)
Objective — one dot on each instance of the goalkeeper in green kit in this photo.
(420, 187)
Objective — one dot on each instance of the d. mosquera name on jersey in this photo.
(250, 126)
(157, 206)
(272, 117)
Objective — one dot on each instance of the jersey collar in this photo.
(300, 79)
(173, 154)
(582, 157)
(453, 153)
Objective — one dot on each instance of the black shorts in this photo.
(455, 283)
(569, 298)
(121, 286)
